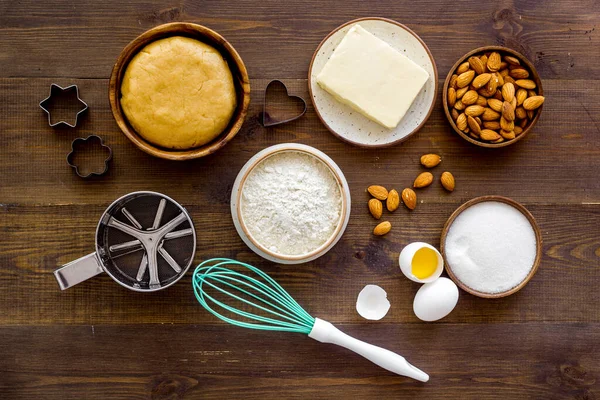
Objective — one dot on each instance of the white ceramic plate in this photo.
(350, 125)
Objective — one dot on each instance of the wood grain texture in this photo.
(98, 340)
(540, 361)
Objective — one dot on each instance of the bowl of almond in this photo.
(493, 96)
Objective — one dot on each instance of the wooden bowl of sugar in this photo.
(491, 246)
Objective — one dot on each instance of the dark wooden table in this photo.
(99, 340)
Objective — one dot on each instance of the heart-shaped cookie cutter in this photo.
(266, 119)
(80, 141)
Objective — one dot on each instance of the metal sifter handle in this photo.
(78, 271)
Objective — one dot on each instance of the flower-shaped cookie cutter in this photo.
(76, 144)
(56, 90)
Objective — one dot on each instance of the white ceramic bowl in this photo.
(237, 216)
(405, 260)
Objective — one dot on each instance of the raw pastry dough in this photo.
(178, 93)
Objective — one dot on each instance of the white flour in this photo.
(291, 203)
(491, 247)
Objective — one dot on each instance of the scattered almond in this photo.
(409, 198)
(393, 200)
(382, 228)
(375, 208)
(430, 160)
(447, 181)
(379, 192)
(423, 180)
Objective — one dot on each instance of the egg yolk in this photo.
(424, 263)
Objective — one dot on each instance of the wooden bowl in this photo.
(236, 204)
(203, 34)
(538, 239)
(534, 76)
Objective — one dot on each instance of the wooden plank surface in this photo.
(99, 341)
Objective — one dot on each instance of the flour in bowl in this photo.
(291, 203)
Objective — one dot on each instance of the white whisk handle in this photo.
(325, 332)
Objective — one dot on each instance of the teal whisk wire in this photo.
(265, 294)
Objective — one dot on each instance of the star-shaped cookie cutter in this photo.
(56, 90)
(74, 146)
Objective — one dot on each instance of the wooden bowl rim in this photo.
(538, 238)
(291, 147)
(395, 142)
(160, 32)
(536, 78)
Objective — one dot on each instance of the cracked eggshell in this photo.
(435, 300)
(406, 257)
(372, 303)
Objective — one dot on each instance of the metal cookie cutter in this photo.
(145, 241)
(266, 118)
(77, 143)
(56, 90)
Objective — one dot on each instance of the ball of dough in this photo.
(178, 93)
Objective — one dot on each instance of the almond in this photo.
(503, 65)
(461, 122)
(382, 228)
(489, 115)
(481, 101)
(484, 60)
(533, 102)
(519, 73)
(507, 135)
(473, 125)
(525, 83)
(465, 78)
(512, 60)
(500, 140)
(485, 92)
(498, 95)
(494, 61)
(508, 112)
(518, 130)
(481, 80)
(453, 81)
(530, 114)
(461, 92)
(447, 181)
(470, 98)
(459, 105)
(379, 192)
(409, 198)
(464, 67)
(393, 200)
(423, 180)
(477, 65)
(430, 160)
(375, 208)
(451, 97)
(493, 125)
(508, 91)
(523, 123)
(454, 113)
(507, 125)
(489, 135)
(513, 102)
(520, 113)
(531, 93)
(492, 85)
(500, 79)
(521, 96)
(495, 104)
(474, 111)
(503, 72)
(509, 79)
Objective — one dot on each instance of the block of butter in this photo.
(372, 77)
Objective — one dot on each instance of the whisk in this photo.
(281, 312)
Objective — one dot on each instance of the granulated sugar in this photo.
(291, 203)
(491, 247)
